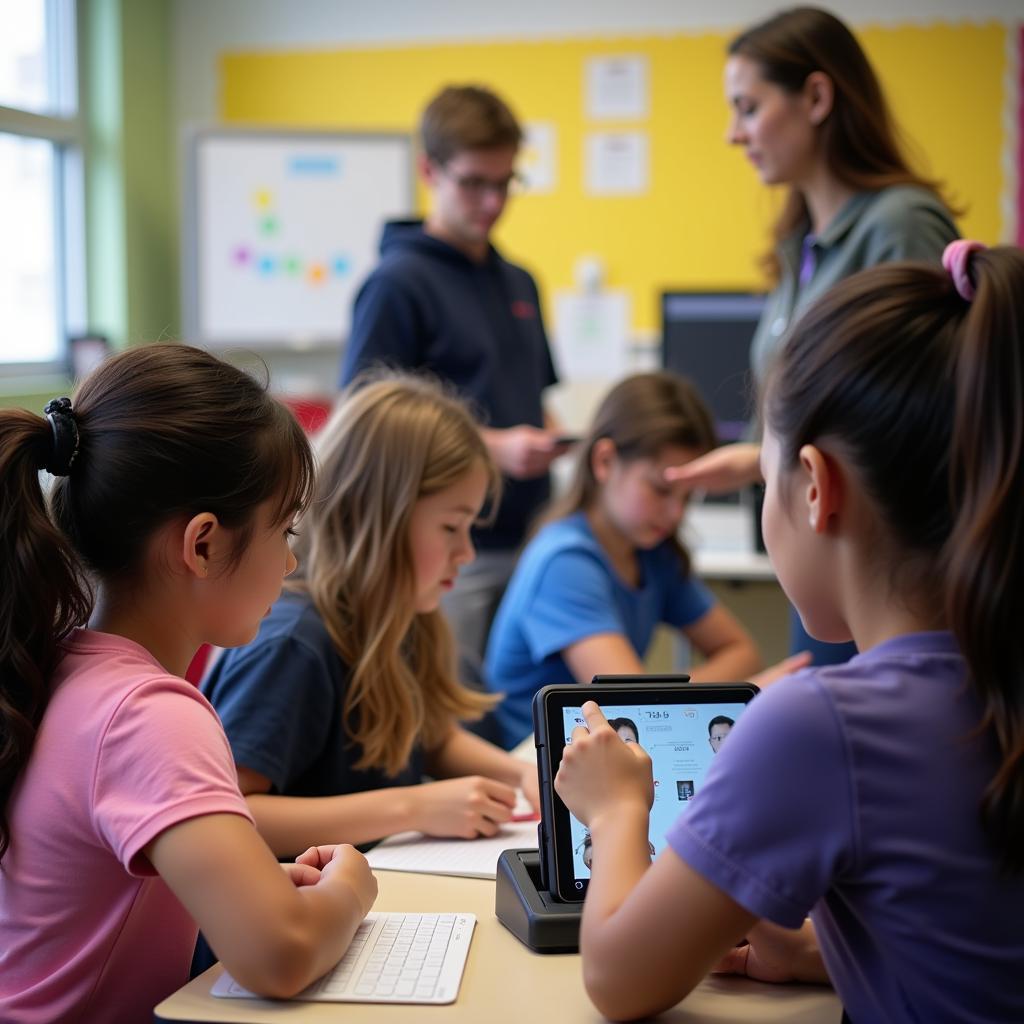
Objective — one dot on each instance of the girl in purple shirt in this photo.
(883, 797)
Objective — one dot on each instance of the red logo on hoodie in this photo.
(523, 310)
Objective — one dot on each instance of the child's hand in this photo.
(301, 874)
(776, 954)
(784, 668)
(599, 772)
(343, 864)
(467, 807)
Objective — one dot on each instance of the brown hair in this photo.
(924, 393)
(467, 117)
(640, 416)
(164, 431)
(392, 440)
(859, 137)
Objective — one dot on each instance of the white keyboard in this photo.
(394, 958)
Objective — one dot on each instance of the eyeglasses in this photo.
(474, 186)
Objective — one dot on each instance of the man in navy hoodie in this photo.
(444, 300)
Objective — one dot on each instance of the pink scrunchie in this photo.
(955, 259)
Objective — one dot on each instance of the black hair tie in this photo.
(65, 436)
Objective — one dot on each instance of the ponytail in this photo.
(985, 590)
(907, 358)
(43, 594)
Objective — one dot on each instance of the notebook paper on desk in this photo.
(393, 958)
(470, 858)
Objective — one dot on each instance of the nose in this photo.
(493, 201)
(734, 133)
(466, 553)
(291, 563)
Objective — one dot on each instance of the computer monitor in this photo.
(706, 336)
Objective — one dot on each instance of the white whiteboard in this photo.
(282, 228)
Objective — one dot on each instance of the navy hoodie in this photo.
(427, 306)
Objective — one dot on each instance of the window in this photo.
(42, 286)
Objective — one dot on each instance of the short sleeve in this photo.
(163, 759)
(279, 704)
(574, 598)
(773, 824)
(687, 600)
(385, 328)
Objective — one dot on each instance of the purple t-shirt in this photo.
(851, 792)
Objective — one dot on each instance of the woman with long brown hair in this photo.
(810, 113)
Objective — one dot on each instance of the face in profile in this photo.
(718, 730)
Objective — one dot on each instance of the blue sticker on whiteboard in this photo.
(314, 166)
(266, 265)
(341, 265)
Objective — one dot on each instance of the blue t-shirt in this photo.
(851, 792)
(282, 698)
(565, 589)
(477, 326)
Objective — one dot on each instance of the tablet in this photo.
(680, 725)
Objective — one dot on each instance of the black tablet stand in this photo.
(529, 911)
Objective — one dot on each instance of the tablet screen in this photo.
(681, 740)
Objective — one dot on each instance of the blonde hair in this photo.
(391, 440)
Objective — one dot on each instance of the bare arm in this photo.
(275, 931)
(729, 650)
(293, 823)
(602, 654)
(649, 932)
(722, 470)
(462, 753)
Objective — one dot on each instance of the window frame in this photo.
(64, 129)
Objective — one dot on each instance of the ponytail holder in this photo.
(956, 260)
(65, 436)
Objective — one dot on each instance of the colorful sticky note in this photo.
(292, 265)
(269, 224)
(262, 198)
(341, 265)
(316, 273)
(241, 255)
(267, 264)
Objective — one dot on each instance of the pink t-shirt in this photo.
(88, 931)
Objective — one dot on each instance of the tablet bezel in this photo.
(555, 837)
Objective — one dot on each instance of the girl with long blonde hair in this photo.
(349, 695)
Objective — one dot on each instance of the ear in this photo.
(819, 93)
(602, 459)
(427, 169)
(203, 542)
(823, 483)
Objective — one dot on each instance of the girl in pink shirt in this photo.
(121, 823)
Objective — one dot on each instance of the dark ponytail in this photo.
(43, 594)
(163, 432)
(985, 597)
(923, 393)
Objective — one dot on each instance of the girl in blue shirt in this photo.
(884, 796)
(608, 567)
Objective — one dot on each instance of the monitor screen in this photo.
(706, 336)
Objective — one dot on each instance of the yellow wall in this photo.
(705, 218)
